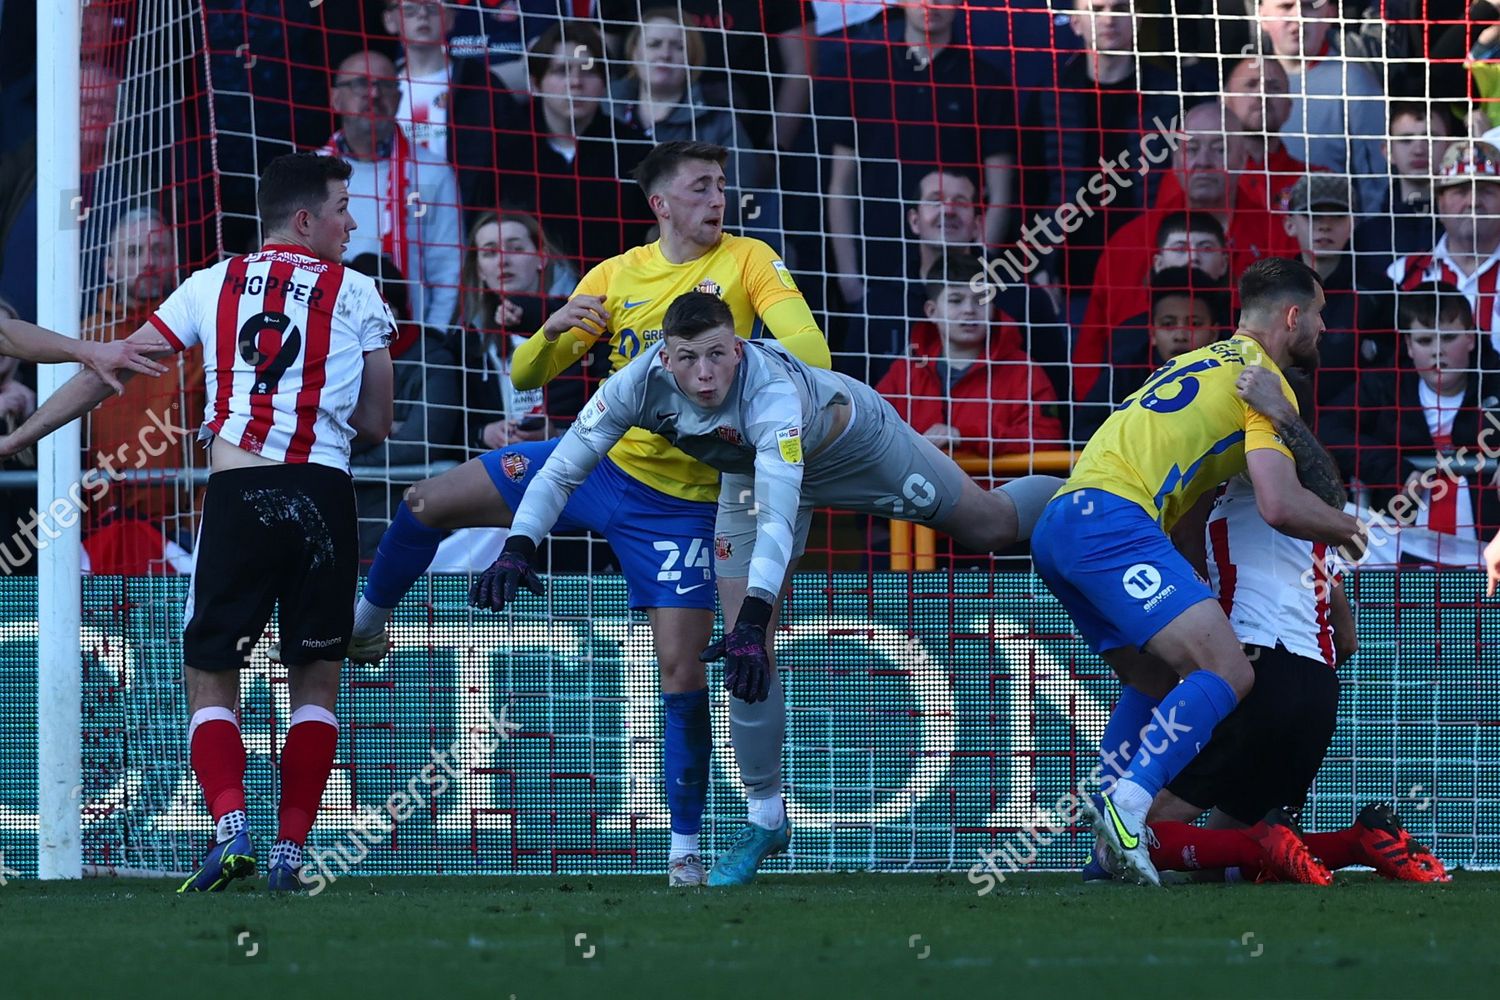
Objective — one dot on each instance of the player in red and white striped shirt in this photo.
(296, 363)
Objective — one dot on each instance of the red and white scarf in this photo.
(393, 208)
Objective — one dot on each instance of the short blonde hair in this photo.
(692, 41)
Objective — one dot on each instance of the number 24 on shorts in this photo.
(697, 558)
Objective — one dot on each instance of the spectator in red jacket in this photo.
(1208, 157)
(966, 384)
(1256, 91)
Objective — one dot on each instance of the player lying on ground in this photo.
(108, 362)
(296, 364)
(1102, 544)
(787, 437)
(654, 504)
(1285, 600)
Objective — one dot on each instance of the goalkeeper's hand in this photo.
(496, 587)
(747, 662)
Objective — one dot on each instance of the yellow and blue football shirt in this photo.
(637, 287)
(1183, 433)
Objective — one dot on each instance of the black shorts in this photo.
(1266, 753)
(269, 534)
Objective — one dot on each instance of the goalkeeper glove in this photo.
(496, 587)
(747, 662)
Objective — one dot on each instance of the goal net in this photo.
(1005, 215)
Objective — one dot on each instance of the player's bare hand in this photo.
(581, 312)
(1262, 390)
(120, 356)
(508, 314)
(1492, 564)
(945, 436)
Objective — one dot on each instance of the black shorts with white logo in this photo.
(1267, 751)
(282, 534)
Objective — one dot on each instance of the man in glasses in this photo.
(404, 198)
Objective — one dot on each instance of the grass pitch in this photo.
(819, 936)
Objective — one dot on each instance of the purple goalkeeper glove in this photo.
(497, 586)
(747, 662)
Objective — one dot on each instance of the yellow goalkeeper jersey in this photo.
(1184, 432)
(637, 287)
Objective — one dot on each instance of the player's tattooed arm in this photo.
(1316, 469)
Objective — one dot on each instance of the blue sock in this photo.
(1180, 727)
(405, 552)
(1122, 733)
(684, 751)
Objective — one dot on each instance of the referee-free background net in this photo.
(939, 703)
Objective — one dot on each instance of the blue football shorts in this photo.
(1113, 568)
(664, 544)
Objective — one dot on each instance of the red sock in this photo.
(1188, 848)
(1336, 850)
(305, 762)
(218, 757)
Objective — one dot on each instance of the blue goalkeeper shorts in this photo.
(1112, 567)
(664, 544)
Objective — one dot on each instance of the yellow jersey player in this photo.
(654, 504)
(1103, 547)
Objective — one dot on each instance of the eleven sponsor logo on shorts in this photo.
(1142, 582)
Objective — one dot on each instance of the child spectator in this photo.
(1391, 425)
(1184, 239)
(967, 385)
(1189, 310)
(1405, 223)
(1319, 215)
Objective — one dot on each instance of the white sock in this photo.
(1132, 802)
(231, 825)
(286, 852)
(769, 813)
(368, 619)
(683, 844)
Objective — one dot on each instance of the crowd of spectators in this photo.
(1006, 215)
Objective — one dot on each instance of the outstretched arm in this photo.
(29, 342)
(86, 390)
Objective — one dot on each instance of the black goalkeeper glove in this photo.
(496, 587)
(747, 662)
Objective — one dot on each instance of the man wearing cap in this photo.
(1466, 195)
(1319, 212)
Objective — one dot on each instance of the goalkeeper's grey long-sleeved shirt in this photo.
(777, 411)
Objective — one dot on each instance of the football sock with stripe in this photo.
(1180, 726)
(405, 552)
(218, 757)
(685, 756)
(306, 760)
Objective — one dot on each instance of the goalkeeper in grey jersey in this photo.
(788, 438)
